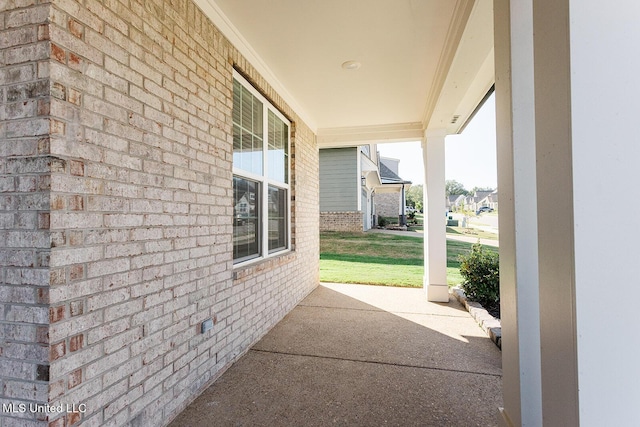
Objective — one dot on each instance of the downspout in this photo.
(403, 214)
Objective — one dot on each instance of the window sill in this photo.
(250, 268)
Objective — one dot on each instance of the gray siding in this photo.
(339, 180)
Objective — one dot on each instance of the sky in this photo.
(470, 158)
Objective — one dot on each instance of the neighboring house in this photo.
(490, 200)
(348, 179)
(474, 201)
(455, 202)
(243, 207)
(391, 194)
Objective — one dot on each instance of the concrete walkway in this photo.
(356, 355)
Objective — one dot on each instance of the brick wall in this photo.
(25, 165)
(341, 221)
(135, 101)
(388, 204)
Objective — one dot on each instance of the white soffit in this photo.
(471, 74)
(373, 134)
(404, 49)
(304, 43)
(222, 22)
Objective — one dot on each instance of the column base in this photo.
(437, 293)
(503, 418)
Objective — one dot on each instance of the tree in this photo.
(414, 196)
(473, 191)
(453, 188)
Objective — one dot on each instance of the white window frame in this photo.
(264, 180)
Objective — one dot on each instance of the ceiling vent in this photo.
(454, 119)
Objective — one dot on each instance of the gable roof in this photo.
(387, 176)
(479, 195)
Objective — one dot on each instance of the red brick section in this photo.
(58, 53)
(57, 350)
(75, 378)
(76, 28)
(76, 342)
(76, 272)
(73, 418)
(56, 314)
(60, 422)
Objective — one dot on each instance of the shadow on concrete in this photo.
(359, 355)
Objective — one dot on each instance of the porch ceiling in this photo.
(423, 62)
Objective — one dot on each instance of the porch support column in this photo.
(435, 239)
(516, 152)
(586, 99)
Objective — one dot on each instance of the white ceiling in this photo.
(406, 49)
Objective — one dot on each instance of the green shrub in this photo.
(481, 273)
(382, 221)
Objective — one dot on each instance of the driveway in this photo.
(356, 355)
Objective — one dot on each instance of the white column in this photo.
(586, 99)
(435, 239)
(605, 101)
(558, 340)
(520, 317)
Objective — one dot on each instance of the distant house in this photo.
(476, 200)
(491, 201)
(391, 194)
(349, 177)
(455, 202)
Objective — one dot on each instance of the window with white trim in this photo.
(261, 223)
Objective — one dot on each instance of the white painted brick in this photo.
(73, 361)
(125, 339)
(123, 249)
(61, 220)
(101, 268)
(26, 276)
(147, 315)
(123, 220)
(122, 371)
(26, 314)
(118, 280)
(146, 261)
(106, 362)
(105, 299)
(66, 255)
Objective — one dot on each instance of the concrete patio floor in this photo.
(356, 355)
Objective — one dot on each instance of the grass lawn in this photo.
(380, 259)
(472, 232)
